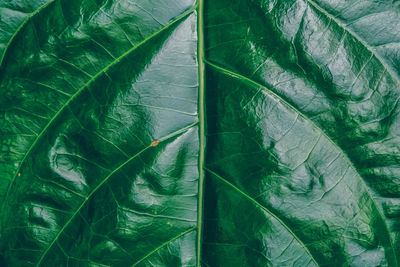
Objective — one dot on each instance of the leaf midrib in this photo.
(201, 112)
(290, 106)
(85, 86)
(200, 7)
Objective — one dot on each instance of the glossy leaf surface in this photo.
(208, 133)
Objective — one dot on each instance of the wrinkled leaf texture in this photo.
(216, 133)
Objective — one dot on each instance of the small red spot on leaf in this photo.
(19, 174)
(155, 143)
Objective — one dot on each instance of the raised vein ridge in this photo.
(57, 114)
(357, 37)
(164, 244)
(201, 111)
(21, 26)
(255, 202)
(280, 99)
(88, 197)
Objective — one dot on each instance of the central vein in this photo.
(200, 47)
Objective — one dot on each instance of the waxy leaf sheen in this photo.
(211, 133)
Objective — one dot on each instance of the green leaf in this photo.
(208, 133)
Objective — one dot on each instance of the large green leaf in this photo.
(208, 133)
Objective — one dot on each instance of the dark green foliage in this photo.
(132, 134)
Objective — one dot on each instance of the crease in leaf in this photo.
(378, 220)
(127, 145)
(34, 13)
(86, 86)
(88, 197)
(256, 203)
